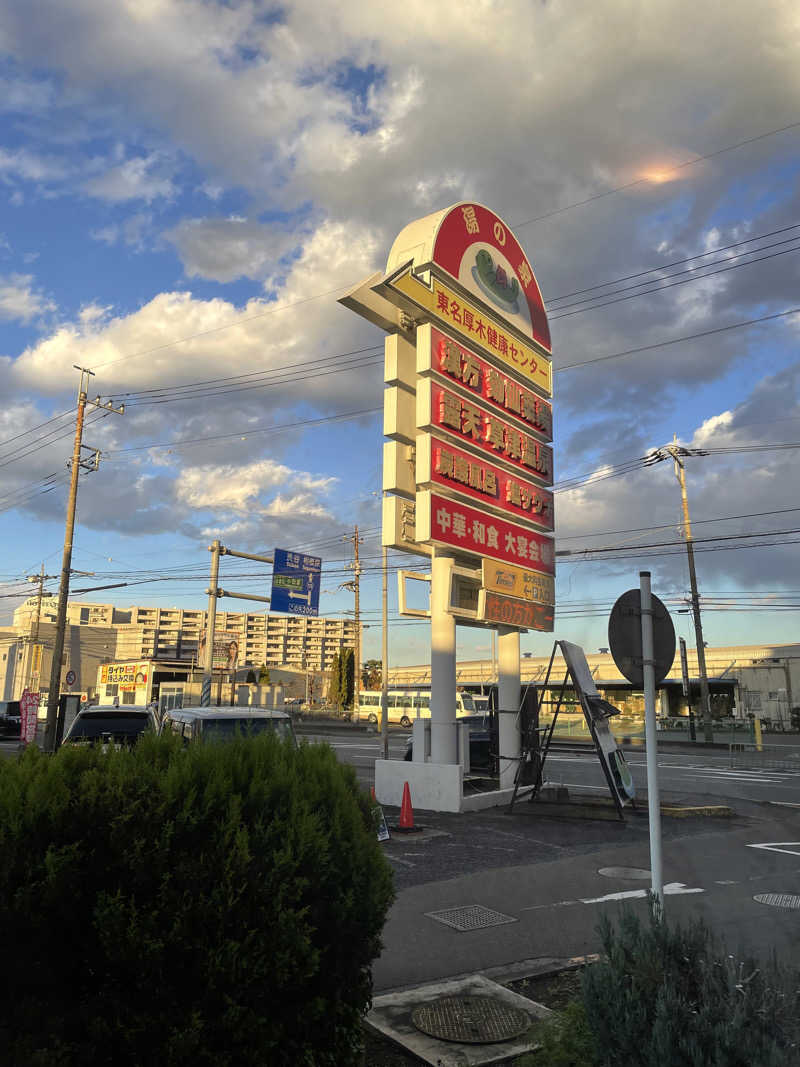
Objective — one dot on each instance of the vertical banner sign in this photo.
(684, 668)
(469, 466)
(29, 715)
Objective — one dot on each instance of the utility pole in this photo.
(40, 579)
(678, 454)
(54, 691)
(215, 548)
(355, 586)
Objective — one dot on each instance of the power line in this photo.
(258, 430)
(23, 433)
(678, 340)
(660, 288)
(694, 272)
(675, 263)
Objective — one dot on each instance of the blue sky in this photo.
(186, 187)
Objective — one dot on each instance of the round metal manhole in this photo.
(470, 1020)
(779, 900)
(639, 873)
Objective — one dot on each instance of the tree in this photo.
(347, 677)
(335, 681)
(263, 675)
(372, 674)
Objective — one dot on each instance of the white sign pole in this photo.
(444, 743)
(508, 735)
(653, 803)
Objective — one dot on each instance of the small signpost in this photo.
(70, 678)
(295, 583)
(642, 640)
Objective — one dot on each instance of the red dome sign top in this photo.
(478, 250)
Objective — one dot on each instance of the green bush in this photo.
(566, 1040)
(219, 904)
(668, 996)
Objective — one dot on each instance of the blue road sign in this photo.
(295, 583)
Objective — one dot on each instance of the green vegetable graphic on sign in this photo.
(494, 281)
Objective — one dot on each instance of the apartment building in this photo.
(152, 633)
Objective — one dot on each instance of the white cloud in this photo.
(26, 165)
(232, 487)
(229, 248)
(139, 178)
(19, 300)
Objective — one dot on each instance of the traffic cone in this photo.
(372, 794)
(406, 820)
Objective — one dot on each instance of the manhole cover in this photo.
(779, 900)
(472, 1020)
(470, 917)
(625, 872)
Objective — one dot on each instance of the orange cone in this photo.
(406, 820)
(372, 794)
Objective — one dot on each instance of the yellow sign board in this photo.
(450, 307)
(518, 582)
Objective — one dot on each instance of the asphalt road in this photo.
(765, 777)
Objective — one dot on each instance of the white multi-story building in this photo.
(102, 633)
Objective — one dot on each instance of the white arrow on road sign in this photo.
(790, 847)
(301, 596)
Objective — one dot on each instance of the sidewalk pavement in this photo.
(542, 875)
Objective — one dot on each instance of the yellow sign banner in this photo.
(493, 337)
(518, 582)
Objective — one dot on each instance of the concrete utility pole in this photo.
(355, 585)
(54, 691)
(215, 548)
(677, 453)
(40, 579)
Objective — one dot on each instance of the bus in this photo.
(404, 705)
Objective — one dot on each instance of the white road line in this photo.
(671, 889)
(774, 846)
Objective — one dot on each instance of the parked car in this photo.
(106, 726)
(223, 724)
(10, 718)
(482, 743)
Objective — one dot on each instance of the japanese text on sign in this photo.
(466, 474)
(514, 581)
(493, 386)
(480, 328)
(486, 431)
(510, 612)
(475, 532)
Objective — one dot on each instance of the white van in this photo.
(223, 724)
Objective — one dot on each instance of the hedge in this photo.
(216, 904)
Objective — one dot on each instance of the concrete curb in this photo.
(719, 810)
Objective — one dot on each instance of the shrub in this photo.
(668, 996)
(566, 1040)
(217, 904)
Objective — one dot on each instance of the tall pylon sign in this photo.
(468, 466)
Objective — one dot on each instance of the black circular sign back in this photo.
(625, 637)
